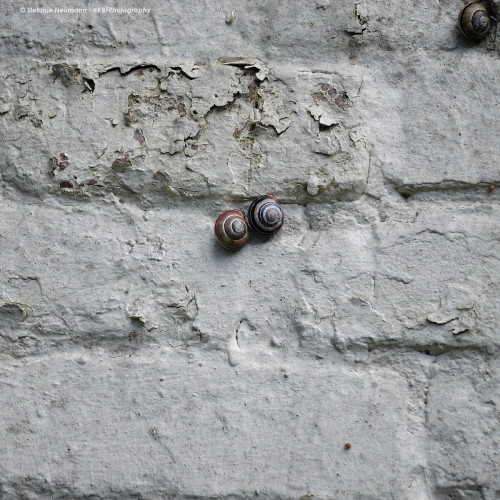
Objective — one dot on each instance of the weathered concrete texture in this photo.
(352, 355)
(204, 428)
(212, 135)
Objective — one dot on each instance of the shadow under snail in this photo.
(231, 229)
(265, 215)
(474, 21)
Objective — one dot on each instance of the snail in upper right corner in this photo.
(265, 215)
(474, 21)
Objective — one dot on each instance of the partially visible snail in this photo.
(265, 215)
(231, 229)
(474, 21)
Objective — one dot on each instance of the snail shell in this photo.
(474, 21)
(231, 229)
(265, 215)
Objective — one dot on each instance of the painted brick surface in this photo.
(352, 355)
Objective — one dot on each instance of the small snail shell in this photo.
(265, 215)
(231, 229)
(474, 21)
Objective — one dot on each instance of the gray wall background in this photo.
(138, 359)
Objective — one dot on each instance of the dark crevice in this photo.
(436, 349)
(446, 186)
(89, 85)
(182, 72)
(131, 70)
(327, 128)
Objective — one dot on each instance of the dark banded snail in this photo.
(474, 21)
(265, 215)
(231, 229)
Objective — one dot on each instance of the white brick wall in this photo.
(138, 359)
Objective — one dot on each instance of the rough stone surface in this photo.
(352, 355)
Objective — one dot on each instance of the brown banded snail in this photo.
(474, 21)
(231, 229)
(265, 215)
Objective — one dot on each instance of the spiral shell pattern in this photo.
(474, 21)
(231, 229)
(264, 215)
